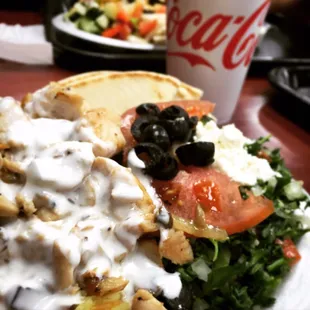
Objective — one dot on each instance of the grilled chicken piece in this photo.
(54, 101)
(10, 111)
(143, 300)
(44, 211)
(106, 127)
(177, 248)
(120, 175)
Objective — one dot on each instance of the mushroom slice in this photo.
(143, 300)
(111, 285)
(12, 166)
(62, 267)
(106, 132)
(7, 208)
(177, 248)
(94, 286)
(26, 205)
(44, 208)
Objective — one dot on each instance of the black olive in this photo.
(155, 155)
(140, 124)
(178, 129)
(159, 165)
(198, 154)
(166, 172)
(156, 134)
(148, 109)
(93, 13)
(193, 121)
(173, 112)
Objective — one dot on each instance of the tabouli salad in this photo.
(210, 178)
(161, 209)
(140, 21)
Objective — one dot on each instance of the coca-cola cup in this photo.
(210, 46)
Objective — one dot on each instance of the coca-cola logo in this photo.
(209, 34)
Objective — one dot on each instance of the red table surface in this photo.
(254, 114)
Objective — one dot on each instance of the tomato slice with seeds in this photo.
(290, 250)
(195, 189)
(192, 107)
(218, 196)
(207, 194)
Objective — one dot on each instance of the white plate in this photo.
(69, 28)
(294, 294)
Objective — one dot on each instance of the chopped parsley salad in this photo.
(233, 197)
(138, 21)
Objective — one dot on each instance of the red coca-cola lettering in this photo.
(209, 34)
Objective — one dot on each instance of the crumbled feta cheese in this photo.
(230, 155)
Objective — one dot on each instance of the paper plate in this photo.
(69, 28)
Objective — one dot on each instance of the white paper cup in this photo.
(210, 46)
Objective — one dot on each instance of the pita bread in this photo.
(119, 91)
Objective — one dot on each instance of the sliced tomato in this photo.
(125, 31)
(147, 26)
(112, 32)
(290, 250)
(217, 195)
(122, 15)
(192, 107)
(138, 10)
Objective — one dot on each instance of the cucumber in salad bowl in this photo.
(145, 20)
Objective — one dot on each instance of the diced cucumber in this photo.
(88, 25)
(93, 13)
(271, 185)
(76, 12)
(103, 21)
(294, 191)
(94, 4)
(258, 190)
(73, 16)
(201, 269)
(111, 10)
(80, 8)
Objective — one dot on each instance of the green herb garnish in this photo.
(205, 119)
(243, 192)
(257, 146)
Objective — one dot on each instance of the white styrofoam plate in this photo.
(69, 28)
(294, 294)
